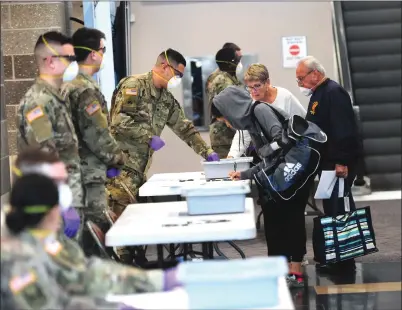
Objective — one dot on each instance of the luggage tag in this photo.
(346, 203)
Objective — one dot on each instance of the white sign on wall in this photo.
(293, 50)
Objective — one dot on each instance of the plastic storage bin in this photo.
(216, 198)
(221, 169)
(233, 284)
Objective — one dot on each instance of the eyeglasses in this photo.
(70, 58)
(256, 87)
(300, 79)
(103, 49)
(176, 71)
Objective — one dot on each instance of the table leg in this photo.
(211, 250)
(185, 251)
(205, 253)
(159, 249)
(172, 250)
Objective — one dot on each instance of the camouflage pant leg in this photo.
(122, 192)
(96, 205)
(78, 236)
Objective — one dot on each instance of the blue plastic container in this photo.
(233, 284)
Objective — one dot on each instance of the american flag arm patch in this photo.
(34, 114)
(93, 108)
(53, 248)
(17, 284)
(131, 91)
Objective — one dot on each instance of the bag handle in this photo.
(335, 192)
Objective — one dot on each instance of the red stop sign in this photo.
(294, 50)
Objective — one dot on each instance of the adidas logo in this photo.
(290, 170)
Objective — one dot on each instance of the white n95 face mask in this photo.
(306, 91)
(71, 72)
(174, 82)
(65, 197)
(102, 64)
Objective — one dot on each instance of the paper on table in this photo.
(176, 299)
(326, 185)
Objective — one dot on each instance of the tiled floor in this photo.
(374, 286)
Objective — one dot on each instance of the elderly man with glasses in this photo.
(330, 107)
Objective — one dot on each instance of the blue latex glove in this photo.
(251, 148)
(156, 143)
(213, 157)
(112, 172)
(72, 222)
(170, 279)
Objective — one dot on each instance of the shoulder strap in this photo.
(281, 118)
(262, 134)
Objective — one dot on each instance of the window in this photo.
(195, 100)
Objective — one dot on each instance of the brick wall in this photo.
(21, 25)
(4, 158)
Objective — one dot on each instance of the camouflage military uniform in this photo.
(210, 78)
(97, 148)
(27, 284)
(221, 135)
(44, 121)
(140, 111)
(93, 277)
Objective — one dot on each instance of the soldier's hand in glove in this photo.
(156, 143)
(213, 157)
(112, 173)
(170, 279)
(72, 222)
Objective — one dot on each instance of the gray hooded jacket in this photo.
(236, 106)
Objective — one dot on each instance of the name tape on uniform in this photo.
(17, 284)
(34, 114)
(92, 108)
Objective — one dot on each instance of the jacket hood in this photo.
(235, 104)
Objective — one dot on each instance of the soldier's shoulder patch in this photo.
(93, 107)
(131, 91)
(18, 283)
(34, 114)
(53, 247)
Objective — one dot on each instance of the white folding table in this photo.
(168, 223)
(178, 299)
(171, 184)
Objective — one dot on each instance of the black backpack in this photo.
(289, 168)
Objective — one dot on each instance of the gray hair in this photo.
(313, 64)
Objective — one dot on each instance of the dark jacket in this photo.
(331, 109)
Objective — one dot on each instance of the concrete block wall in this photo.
(21, 25)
